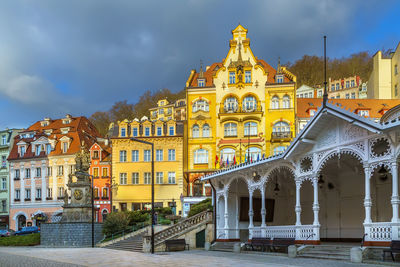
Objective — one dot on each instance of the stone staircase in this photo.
(223, 246)
(332, 252)
(134, 243)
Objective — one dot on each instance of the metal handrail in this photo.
(310, 235)
(363, 240)
(122, 233)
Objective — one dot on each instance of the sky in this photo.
(79, 57)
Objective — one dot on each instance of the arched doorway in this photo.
(104, 214)
(21, 221)
(238, 209)
(341, 183)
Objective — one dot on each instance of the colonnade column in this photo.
(298, 205)
(251, 213)
(367, 199)
(395, 192)
(237, 216)
(263, 213)
(226, 216)
(316, 203)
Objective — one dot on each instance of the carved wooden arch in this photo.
(376, 165)
(273, 169)
(349, 151)
(228, 185)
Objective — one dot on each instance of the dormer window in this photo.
(3, 140)
(171, 130)
(44, 123)
(48, 149)
(247, 76)
(64, 130)
(201, 82)
(64, 147)
(66, 121)
(48, 132)
(159, 130)
(38, 150)
(135, 131)
(312, 112)
(95, 154)
(22, 151)
(162, 103)
(147, 131)
(279, 78)
(123, 132)
(363, 113)
(232, 77)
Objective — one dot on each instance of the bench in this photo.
(259, 242)
(394, 248)
(282, 242)
(176, 245)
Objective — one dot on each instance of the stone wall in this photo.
(69, 234)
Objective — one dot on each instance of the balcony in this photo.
(49, 198)
(17, 200)
(16, 178)
(281, 136)
(27, 199)
(38, 198)
(239, 109)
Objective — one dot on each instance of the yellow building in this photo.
(169, 111)
(131, 164)
(238, 109)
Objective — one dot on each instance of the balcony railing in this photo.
(240, 109)
(281, 135)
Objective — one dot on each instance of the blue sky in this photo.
(79, 57)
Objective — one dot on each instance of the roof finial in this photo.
(201, 74)
(325, 97)
(279, 64)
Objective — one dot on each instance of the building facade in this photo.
(346, 88)
(6, 143)
(169, 111)
(40, 161)
(100, 168)
(240, 109)
(131, 164)
(337, 181)
(306, 91)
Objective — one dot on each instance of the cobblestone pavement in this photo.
(37, 256)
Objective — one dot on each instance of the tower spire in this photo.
(201, 74)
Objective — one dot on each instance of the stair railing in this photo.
(363, 240)
(310, 235)
(124, 232)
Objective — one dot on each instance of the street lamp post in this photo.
(152, 188)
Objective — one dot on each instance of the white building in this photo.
(306, 91)
(337, 181)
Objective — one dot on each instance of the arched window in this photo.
(286, 101)
(195, 131)
(250, 128)
(279, 150)
(253, 153)
(275, 102)
(206, 130)
(249, 104)
(231, 104)
(200, 156)
(280, 127)
(227, 154)
(104, 214)
(230, 129)
(200, 104)
(197, 188)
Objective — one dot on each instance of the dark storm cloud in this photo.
(77, 57)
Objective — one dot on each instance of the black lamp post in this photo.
(152, 188)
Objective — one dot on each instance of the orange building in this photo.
(100, 168)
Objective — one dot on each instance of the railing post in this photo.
(367, 199)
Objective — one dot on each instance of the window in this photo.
(123, 132)
(147, 178)
(135, 131)
(28, 193)
(22, 151)
(227, 154)
(280, 127)
(275, 102)
(395, 90)
(279, 150)
(122, 178)
(96, 192)
(135, 178)
(319, 93)
(286, 101)
(65, 147)
(3, 140)
(200, 83)
(60, 170)
(338, 96)
(250, 128)
(171, 177)
(4, 205)
(353, 95)
(232, 77)
(147, 155)
(105, 172)
(206, 130)
(17, 194)
(17, 172)
(60, 192)
(337, 86)
(347, 96)
(38, 193)
(195, 131)
(279, 78)
(3, 161)
(200, 105)
(332, 87)
(353, 83)
(249, 103)
(231, 104)
(159, 131)
(48, 149)
(96, 172)
(105, 192)
(312, 112)
(200, 156)
(147, 131)
(71, 169)
(363, 113)
(95, 154)
(161, 111)
(49, 171)
(135, 155)
(254, 153)
(247, 76)
(27, 173)
(122, 156)
(3, 183)
(38, 172)
(171, 154)
(37, 150)
(159, 155)
(49, 192)
(159, 177)
(347, 84)
(230, 129)
(171, 130)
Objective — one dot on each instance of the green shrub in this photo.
(136, 217)
(165, 222)
(115, 222)
(21, 240)
(163, 211)
(200, 207)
